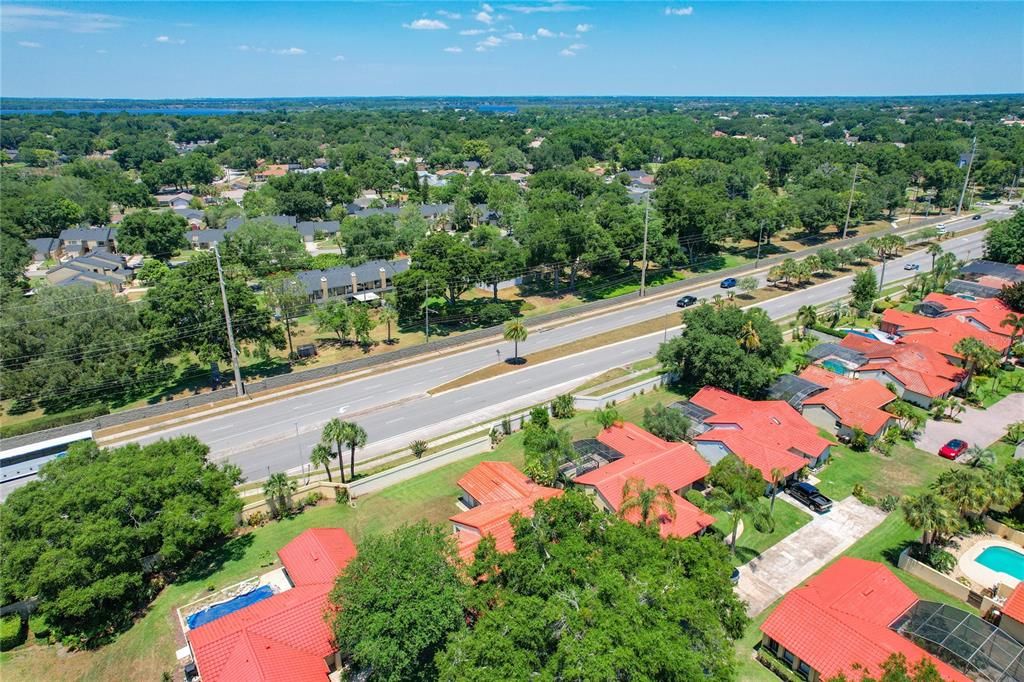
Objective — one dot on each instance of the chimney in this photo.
(383, 279)
(323, 288)
(355, 283)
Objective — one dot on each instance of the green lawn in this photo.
(753, 542)
(907, 470)
(992, 389)
(748, 669)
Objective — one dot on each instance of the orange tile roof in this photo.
(855, 402)
(840, 619)
(285, 636)
(988, 312)
(766, 434)
(918, 367)
(1014, 606)
(502, 491)
(496, 482)
(939, 333)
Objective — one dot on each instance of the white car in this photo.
(912, 266)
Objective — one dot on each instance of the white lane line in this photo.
(396, 419)
(394, 390)
(578, 364)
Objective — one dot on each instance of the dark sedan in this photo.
(809, 496)
(686, 301)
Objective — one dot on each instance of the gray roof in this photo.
(793, 389)
(979, 268)
(341, 276)
(208, 236)
(42, 245)
(189, 213)
(426, 210)
(311, 227)
(696, 413)
(824, 350)
(88, 233)
(961, 286)
(929, 308)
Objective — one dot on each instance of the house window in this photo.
(804, 669)
(772, 645)
(787, 656)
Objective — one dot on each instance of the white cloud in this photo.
(27, 18)
(490, 41)
(583, 28)
(479, 48)
(338, 58)
(514, 36)
(167, 40)
(453, 50)
(544, 33)
(427, 25)
(553, 7)
(678, 11)
(488, 8)
(576, 47)
(449, 15)
(484, 18)
(29, 44)
(567, 53)
(101, 51)
(476, 31)
(289, 51)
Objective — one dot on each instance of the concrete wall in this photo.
(404, 472)
(1004, 531)
(1013, 627)
(262, 505)
(597, 402)
(933, 577)
(822, 417)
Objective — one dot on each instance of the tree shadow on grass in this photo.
(211, 560)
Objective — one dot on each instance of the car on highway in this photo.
(953, 449)
(940, 228)
(686, 301)
(912, 266)
(810, 497)
(976, 217)
(728, 283)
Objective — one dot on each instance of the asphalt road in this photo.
(394, 408)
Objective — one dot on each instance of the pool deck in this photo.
(982, 575)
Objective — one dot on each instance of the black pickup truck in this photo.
(808, 495)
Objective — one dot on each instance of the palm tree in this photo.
(839, 309)
(777, 476)
(354, 437)
(334, 432)
(775, 275)
(652, 501)
(277, 489)
(388, 316)
(978, 357)
(929, 514)
(934, 250)
(515, 331)
(807, 317)
(321, 457)
(963, 488)
(981, 457)
(738, 503)
(607, 417)
(749, 339)
(1016, 324)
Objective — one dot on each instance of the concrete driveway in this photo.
(797, 557)
(977, 427)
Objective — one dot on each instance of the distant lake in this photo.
(175, 111)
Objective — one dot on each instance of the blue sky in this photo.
(520, 47)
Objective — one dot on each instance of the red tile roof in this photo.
(916, 366)
(1014, 607)
(939, 333)
(841, 617)
(285, 636)
(505, 491)
(766, 434)
(855, 402)
(988, 312)
(654, 461)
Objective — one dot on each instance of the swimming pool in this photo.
(834, 367)
(1003, 560)
(224, 608)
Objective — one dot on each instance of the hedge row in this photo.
(12, 632)
(53, 421)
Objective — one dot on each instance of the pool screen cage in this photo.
(966, 642)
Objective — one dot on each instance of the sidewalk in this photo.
(797, 557)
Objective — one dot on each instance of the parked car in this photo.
(977, 216)
(735, 577)
(912, 266)
(728, 282)
(809, 496)
(953, 449)
(686, 301)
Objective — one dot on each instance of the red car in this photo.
(953, 449)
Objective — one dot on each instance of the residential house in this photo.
(174, 199)
(986, 314)
(283, 220)
(634, 453)
(364, 282)
(43, 248)
(765, 434)
(836, 403)
(270, 171)
(919, 373)
(471, 166)
(192, 215)
(1012, 615)
(310, 228)
(639, 179)
(285, 636)
(941, 333)
(492, 492)
(850, 618)
(985, 278)
(206, 239)
(78, 240)
(99, 268)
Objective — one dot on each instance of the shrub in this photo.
(258, 518)
(861, 494)
(939, 559)
(494, 314)
(312, 499)
(859, 440)
(696, 499)
(825, 329)
(889, 503)
(666, 423)
(418, 448)
(341, 495)
(54, 420)
(563, 407)
(539, 417)
(38, 626)
(506, 426)
(12, 632)
(497, 435)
